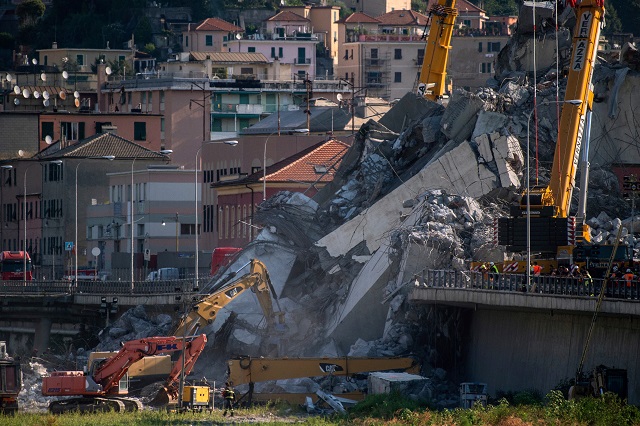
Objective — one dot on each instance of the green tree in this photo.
(29, 11)
(614, 24)
(628, 12)
(419, 6)
(143, 32)
(501, 7)
(7, 41)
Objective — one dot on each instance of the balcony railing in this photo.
(303, 61)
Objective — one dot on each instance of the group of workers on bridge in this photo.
(621, 281)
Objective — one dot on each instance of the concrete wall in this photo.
(518, 350)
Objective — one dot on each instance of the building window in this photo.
(186, 41)
(251, 49)
(374, 53)
(480, 47)
(397, 77)
(69, 131)
(208, 40)
(485, 68)
(139, 131)
(273, 52)
(466, 23)
(493, 46)
(397, 54)
(80, 59)
(280, 52)
(46, 130)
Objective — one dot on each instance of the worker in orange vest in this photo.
(537, 269)
(628, 280)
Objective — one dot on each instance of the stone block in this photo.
(404, 383)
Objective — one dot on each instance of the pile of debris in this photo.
(30, 398)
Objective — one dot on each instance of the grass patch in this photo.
(375, 410)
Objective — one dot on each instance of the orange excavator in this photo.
(101, 389)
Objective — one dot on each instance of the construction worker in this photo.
(229, 396)
(536, 269)
(493, 274)
(587, 281)
(628, 280)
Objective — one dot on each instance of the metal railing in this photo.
(112, 288)
(549, 285)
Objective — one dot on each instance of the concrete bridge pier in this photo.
(42, 335)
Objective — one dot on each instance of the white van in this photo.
(163, 274)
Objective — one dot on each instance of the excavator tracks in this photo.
(94, 405)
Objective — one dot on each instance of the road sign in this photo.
(147, 255)
(68, 245)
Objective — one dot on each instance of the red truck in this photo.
(12, 266)
(222, 256)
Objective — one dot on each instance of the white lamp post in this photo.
(528, 267)
(163, 152)
(75, 246)
(264, 159)
(230, 143)
(24, 218)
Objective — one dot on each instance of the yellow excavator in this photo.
(433, 73)
(204, 311)
(248, 370)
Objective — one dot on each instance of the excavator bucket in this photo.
(161, 399)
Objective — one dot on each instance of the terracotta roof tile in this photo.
(231, 57)
(319, 165)
(287, 16)
(403, 17)
(217, 24)
(100, 145)
(359, 18)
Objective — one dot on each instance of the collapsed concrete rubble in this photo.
(418, 189)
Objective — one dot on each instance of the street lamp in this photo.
(264, 159)
(195, 189)
(75, 246)
(24, 217)
(163, 152)
(528, 267)
(177, 219)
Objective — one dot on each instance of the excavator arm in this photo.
(205, 311)
(434, 65)
(106, 375)
(182, 367)
(244, 370)
(111, 371)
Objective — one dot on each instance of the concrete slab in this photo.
(456, 172)
(385, 383)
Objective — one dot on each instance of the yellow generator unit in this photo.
(197, 398)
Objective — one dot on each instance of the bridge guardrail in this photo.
(109, 288)
(544, 284)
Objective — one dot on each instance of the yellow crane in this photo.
(548, 205)
(433, 74)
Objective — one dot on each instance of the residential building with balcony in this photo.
(324, 21)
(377, 7)
(210, 35)
(288, 40)
(382, 55)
